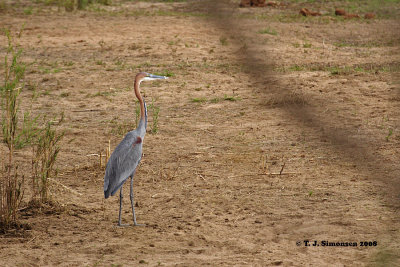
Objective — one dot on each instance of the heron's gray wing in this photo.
(122, 163)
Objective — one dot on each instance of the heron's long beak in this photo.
(152, 76)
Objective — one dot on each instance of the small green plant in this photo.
(68, 5)
(28, 11)
(104, 2)
(45, 154)
(121, 128)
(231, 98)
(120, 65)
(28, 131)
(223, 41)
(11, 185)
(335, 71)
(389, 134)
(3, 5)
(155, 110)
(104, 94)
(268, 31)
(68, 63)
(166, 73)
(82, 4)
(19, 134)
(296, 68)
(48, 70)
(339, 70)
(307, 45)
(198, 99)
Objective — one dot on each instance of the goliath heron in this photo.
(127, 155)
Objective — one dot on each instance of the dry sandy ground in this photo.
(264, 139)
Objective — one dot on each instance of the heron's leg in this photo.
(133, 205)
(120, 206)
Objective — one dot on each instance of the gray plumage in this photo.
(124, 160)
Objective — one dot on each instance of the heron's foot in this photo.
(136, 224)
(122, 225)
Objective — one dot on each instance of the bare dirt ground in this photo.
(273, 128)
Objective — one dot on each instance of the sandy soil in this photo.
(264, 139)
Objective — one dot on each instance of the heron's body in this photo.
(127, 155)
(124, 160)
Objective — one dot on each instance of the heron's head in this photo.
(144, 76)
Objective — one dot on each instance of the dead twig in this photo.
(283, 166)
(65, 187)
(91, 155)
(31, 240)
(87, 110)
(279, 173)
